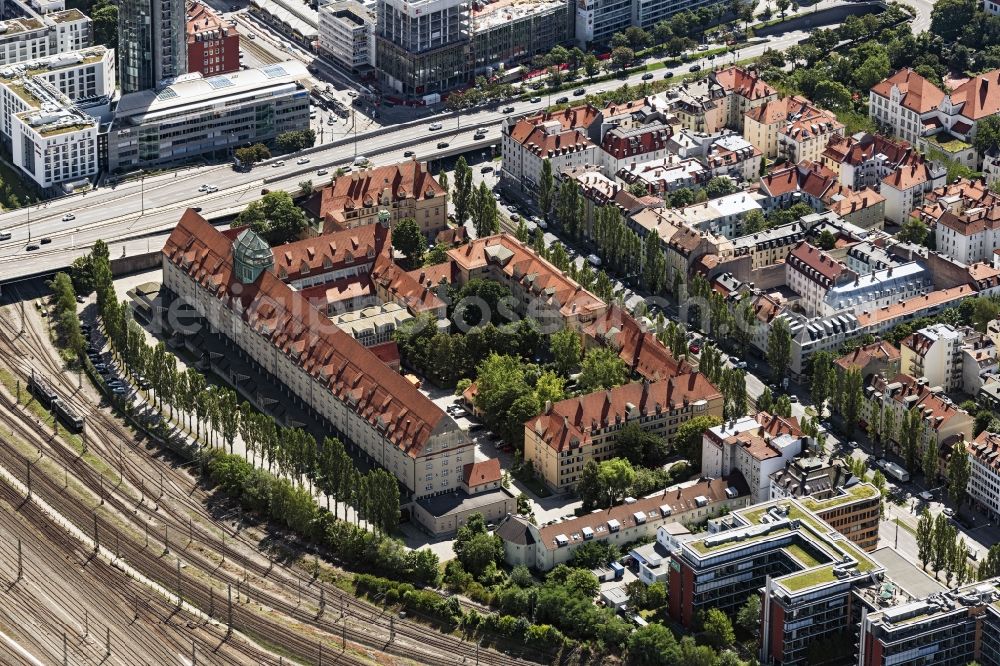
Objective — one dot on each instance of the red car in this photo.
(694, 348)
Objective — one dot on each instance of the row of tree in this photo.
(939, 545)
(67, 323)
(292, 450)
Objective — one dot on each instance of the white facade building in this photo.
(347, 34)
(934, 353)
(984, 481)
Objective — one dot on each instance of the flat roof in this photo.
(456, 502)
(211, 89)
(905, 573)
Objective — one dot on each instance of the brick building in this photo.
(212, 46)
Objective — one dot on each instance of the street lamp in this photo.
(142, 192)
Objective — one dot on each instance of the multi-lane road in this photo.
(140, 213)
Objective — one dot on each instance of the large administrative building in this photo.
(266, 329)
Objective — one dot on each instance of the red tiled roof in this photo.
(571, 422)
(915, 304)
(476, 474)
(404, 288)
(201, 19)
(908, 176)
(986, 449)
(365, 188)
(622, 144)
(881, 350)
(642, 352)
(744, 83)
(919, 94)
(283, 317)
(329, 252)
(805, 256)
(979, 96)
(934, 408)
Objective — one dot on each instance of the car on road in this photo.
(926, 496)
(486, 169)
(434, 127)
(331, 121)
(852, 444)
(578, 92)
(279, 163)
(703, 47)
(442, 145)
(508, 109)
(408, 153)
(4, 235)
(478, 137)
(352, 93)
(31, 247)
(251, 36)
(793, 398)
(68, 217)
(668, 75)
(948, 511)
(694, 68)
(562, 100)
(119, 390)
(647, 76)
(45, 241)
(536, 100)
(322, 172)
(740, 365)
(694, 348)
(594, 260)
(360, 160)
(514, 217)
(302, 160)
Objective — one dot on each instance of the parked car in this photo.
(793, 398)
(486, 169)
(694, 348)
(948, 511)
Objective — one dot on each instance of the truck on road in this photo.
(896, 472)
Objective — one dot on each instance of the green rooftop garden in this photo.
(804, 557)
(704, 549)
(23, 93)
(950, 144)
(865, 564)
(861, 491)
(801, 581)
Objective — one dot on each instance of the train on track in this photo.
(48, 397)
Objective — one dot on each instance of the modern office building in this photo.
(950, 628)
(423, 47)
(347, 34)
(212, 46)
(152, 43)
(204, 117)
(508, 32)
(805, 570)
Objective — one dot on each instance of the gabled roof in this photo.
(913, 394)
(880, 351)
(918, 94)
(979, 96)
(825, 268)
(743, 82)
(329, 252)
(478, 473)
(642, 352)
(282, 317)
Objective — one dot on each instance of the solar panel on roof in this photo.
(218, 82)
(166, 93)
(274, 71)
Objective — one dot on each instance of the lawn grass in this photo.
(803, 556)
(809, 578)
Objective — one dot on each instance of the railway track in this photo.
(373, 625)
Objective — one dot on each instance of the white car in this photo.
(279, 163)
(68, 217)
(211, 188)
(434, 127)
(322, 172)
(302, 160)
(252, 36)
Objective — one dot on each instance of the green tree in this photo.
(475, 547)
(687, 439)
(622, 57)
(851, 397)
(407, 238)
(275, 217)
(640, 447)
(546, 188)
(463, 190)
(765, 401)
(601, 368)
(929, 463)
(567, 349)
(250, 155)
(588, 487)
(941, 543)
(826, 240)
(485, 216)
(81, 273)
(718, 629)
(754, 222)
(748, 617)
(925, 537)
(779, 347)
(105, 23)
(913, 231)
(959, 470)
(987, 134)
(616, 476)
(950, 17)
(653, 645)
(824, 377)
(719, 186)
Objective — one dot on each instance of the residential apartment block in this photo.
(422, 47)
(984, 481)
(935, 354)
(792, 128)
(231, 283)
(405, 190)
(347, 35)
(547, 546)
(570, 433)
(37, 36)
(213, 47)
(564, 138)
(943, 422)
(756, 447)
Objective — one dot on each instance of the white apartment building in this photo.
(80, 75)
(756, 447)
(55, 144)
(197, 116)
(984, 481)
(970, 235)
(934, 353)
(991, 7)
(664, 175)
(558, 137)
(347, 34)
(31, 37)
(979, 361)
(722, 216)
(812, 273)
(599, 20)
(875, 289)
(942, 421)
(734, 157)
